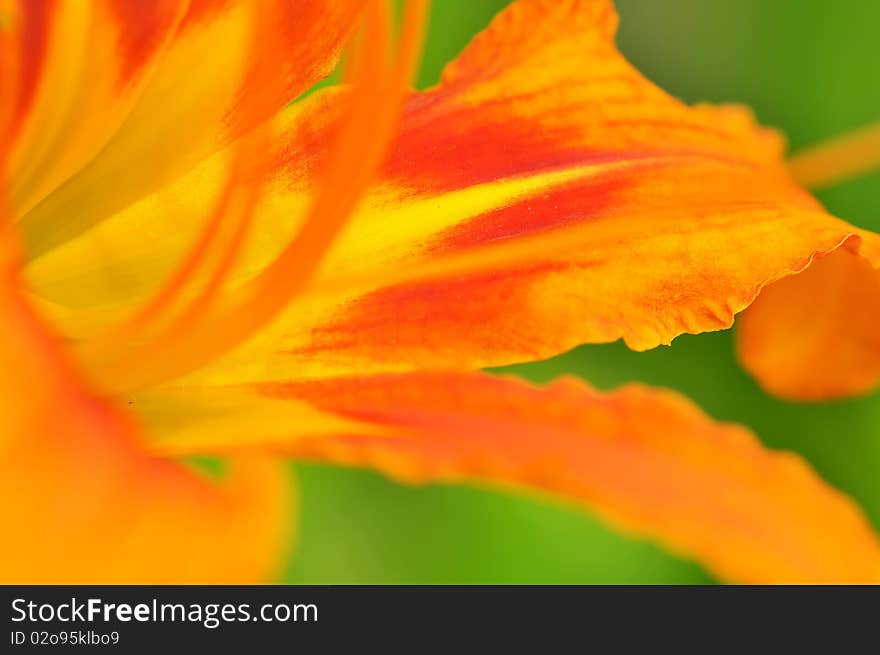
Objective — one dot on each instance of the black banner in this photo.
(412, 619)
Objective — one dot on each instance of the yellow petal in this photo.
(129, 97)
(82, 65)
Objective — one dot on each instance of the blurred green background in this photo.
(806, 66)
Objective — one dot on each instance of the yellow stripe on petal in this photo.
(226, 420)
(647, 461)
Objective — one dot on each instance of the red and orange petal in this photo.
(647, 461)
(83, 503)
(124, 96)
(542, 196)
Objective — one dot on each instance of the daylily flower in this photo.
(192, 265)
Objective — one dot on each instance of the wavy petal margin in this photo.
(544, 195)
(647, 461)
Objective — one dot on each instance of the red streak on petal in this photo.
(202, 10)
(423, 314)
(143, 27)
(571, 203)
(301, 28)
(472, 153)
(419, 160)
(34, 37)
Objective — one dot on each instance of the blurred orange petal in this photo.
(83, 503)
(645, 460)
(816, 335)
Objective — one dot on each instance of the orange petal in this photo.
(84, 503)
(544, 195)
(816, 336)
(645, 460)
(131, 94)
(533, 202)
